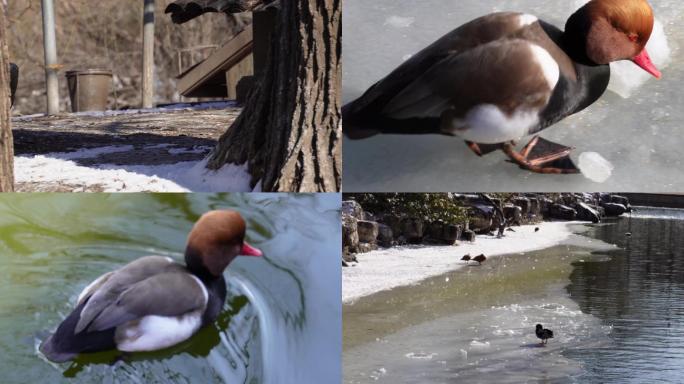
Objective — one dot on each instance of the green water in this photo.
(52, 246)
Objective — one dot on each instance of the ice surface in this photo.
(641, 135)
(468, 347)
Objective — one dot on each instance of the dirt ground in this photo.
(156, 138)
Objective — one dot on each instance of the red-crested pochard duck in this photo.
(153, 302)
(504, 76)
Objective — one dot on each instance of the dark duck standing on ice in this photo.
(154, 303)
(543, 334)
(504, 76)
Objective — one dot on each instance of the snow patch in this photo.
(393, 267)
(91, 153)
(189, 176)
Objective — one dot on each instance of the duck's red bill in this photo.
(644, 61)
(248, 250)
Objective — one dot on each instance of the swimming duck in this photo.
(536, 229)
(466, 258)
(153, 302)
(480, 258)
(504, 76)
(543, 334)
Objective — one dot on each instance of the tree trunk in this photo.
(289, 132)
(6, 143)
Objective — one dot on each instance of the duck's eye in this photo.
(633, 37)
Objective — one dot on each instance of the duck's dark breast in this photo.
(216, 288)
(579, 85)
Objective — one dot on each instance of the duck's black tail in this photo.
(64, 345)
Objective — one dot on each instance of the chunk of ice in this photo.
(595, 167)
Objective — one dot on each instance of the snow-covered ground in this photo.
(630, 138)
(187, 176)
(393, 267)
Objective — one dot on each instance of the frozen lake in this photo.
(635, 126)
(616, 313)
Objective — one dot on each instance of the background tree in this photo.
(6, 143)
(289, 132)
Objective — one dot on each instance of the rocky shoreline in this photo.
(364, 231)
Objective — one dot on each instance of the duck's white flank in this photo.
(547, 65)
(157, 332)
(527, 19)
(152, 333)
(487, 124)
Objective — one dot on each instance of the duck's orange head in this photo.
(616, 30)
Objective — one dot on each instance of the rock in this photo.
(481, 218)
(614, 209)
(385, 236)
(524, 204)
(394, 222)
(350, 234)
(349, 257)
(535, 207)
(412, 229)
(367, 247)
(444, 233)
(353, 209)
(368, 231)
(468, 235)
(513, 214)
(587, 213)
(562, 212)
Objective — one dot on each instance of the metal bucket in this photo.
(89, 89)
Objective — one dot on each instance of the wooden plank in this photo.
(233, 76)
(219, 62)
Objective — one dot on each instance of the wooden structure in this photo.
(228, 72)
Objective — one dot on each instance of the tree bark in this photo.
(6, 142)
(289, 132)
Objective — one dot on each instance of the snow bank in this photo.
(189, 176)
(389, 268)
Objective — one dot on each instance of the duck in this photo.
(536, 229)
(505, 76)
(466, 258)
(153, 302)
(543, 334)
(480, 258)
